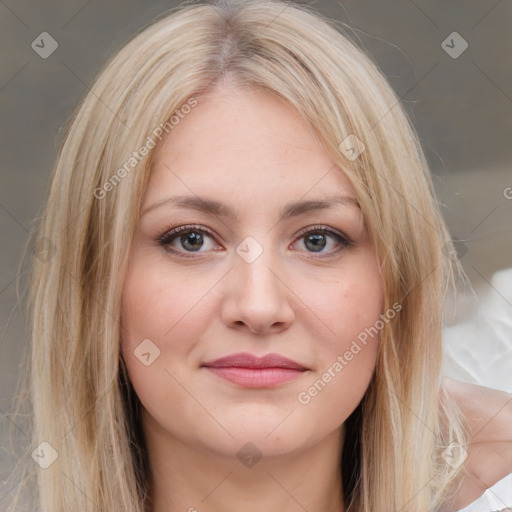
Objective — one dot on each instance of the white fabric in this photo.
(479, 350)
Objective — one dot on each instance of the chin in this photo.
(270, 435)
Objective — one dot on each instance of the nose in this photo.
(258, 298)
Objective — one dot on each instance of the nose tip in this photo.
(262, 326)
(258, 301)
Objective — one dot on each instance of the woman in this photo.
(242, 306)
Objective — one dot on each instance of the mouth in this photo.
(250, 371)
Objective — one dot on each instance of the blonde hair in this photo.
(83, 403)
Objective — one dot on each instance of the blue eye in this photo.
(317, 238)
(190, 239)
(186, 240)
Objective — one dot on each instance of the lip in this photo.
(251, 371)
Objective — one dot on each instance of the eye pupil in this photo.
(196, 239)
(318, 241)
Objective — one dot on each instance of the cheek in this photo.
(350, 305)
(350, 302)
(162, 316)
(172, 308)
(161, 305)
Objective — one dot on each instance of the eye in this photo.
(189, 239)
(316, 238)
(185, 239)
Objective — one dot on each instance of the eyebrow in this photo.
(217, 208)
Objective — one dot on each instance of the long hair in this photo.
(83, 404)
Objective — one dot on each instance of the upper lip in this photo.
(246, 360)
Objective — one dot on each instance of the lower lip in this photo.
(256, 377)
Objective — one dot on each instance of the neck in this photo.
(195, 479)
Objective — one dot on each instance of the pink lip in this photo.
(251, 371)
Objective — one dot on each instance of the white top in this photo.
(479, 350)
(495, 499)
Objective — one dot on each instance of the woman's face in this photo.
(263, 266)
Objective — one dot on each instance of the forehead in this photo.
(231, 121)
(251, 143)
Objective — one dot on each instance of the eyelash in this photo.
(167, 237)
